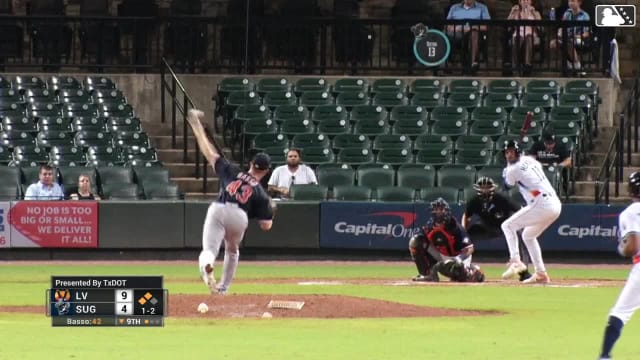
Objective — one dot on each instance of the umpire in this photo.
(486, 211)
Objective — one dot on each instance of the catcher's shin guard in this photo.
(423, 260)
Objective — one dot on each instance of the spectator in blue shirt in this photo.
(468, 35)
(577, 36)
(46, 188)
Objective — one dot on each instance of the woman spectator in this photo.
(84, 189)
(524, 38)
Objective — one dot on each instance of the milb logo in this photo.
(615, 15)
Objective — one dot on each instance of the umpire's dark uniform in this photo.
(482, 218)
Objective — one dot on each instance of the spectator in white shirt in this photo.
(293, 173)
(46, 188)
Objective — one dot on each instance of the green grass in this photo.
(535, 322)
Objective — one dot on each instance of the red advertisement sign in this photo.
(54, 224)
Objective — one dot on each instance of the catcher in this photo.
(443, 247)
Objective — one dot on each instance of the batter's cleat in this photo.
(208, 277)
(540, 277)
(524, 275)
(221, 291)
(514, 268)
(432, 277)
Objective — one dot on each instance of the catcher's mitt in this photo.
(628, 244)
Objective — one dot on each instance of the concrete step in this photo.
(185, 169)
(622, 200)
(587, 188)
(177, 155)
(589, 173)
(193, 185)
(165, 141)
(158, 128)
(597, 159)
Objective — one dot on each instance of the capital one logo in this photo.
(405, 229)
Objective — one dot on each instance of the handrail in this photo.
(632, 113)
(183, 107)
(612, 160)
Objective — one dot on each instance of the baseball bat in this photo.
(523, 132)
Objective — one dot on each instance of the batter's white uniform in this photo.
(629, 300)
(542, 209)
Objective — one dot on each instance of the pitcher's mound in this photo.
(315, 306)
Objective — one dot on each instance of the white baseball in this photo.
(203, 308)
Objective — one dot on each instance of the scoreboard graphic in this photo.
(107, 301)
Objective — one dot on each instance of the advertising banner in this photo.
(368, 225)
(54, 224)
(5, 228)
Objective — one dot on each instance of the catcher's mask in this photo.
(440, 211)
(485, 187)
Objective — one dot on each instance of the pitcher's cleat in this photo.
(515, 267)
(538, 278)
(208, 277)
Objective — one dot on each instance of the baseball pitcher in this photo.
(542, 209)
(241, 198)
(443, 247)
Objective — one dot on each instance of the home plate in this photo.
(321, 283)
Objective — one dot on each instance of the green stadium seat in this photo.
(86, 110)
(238, 98)
(10, 108)
(355, 156)
(29, 154)
(412, 128)
(434, 157)
(388, 85)
(24, 83)
(273, 99)
(520, 113)
(343, 141)
(490, 113)
(30, 174)
(428, 100)
(11, 138)
(582, 101)
(523, 142)
(329, 112)
(448, 113)
(114, 110)
(586, 87)
(566, 113)
(465, 86)
(92, 123)
(504, 86)
(390, 99)
(389, 141)
(449, 128)
(115, 124)
(115, 175)
(316, 155)
(427, 85)
(290, 112)
(5, 156)
(69, 175)
(22, 123)
(449, 194)
(334, 127)
(64, 83)
(395, 194)
(550, 87)
(474, 142)
(395, 156)
(9, 192)
(258, 126)
(11, 96)
(470, 100)
(55, 124)
(375, 177)
(131, 138)
(266, 85)
(409, 112)
(312, 84)
(278, 154)
(67, 155)
(311, 99)
(371, 127)
(139, 154)
(352, 98)
(506, 101)
(10, 175)
(303, 141)
(433, 142)
(108, 96)
(338, 176)
(161, 191)
(121, 191)
(40, 96)
(308, 192)
(534, 131)
(352, 193)
(92, 83)
(416, 176)
(154, 174)
(570, 129)
(351, 85)
(474, 157)
(250, 112)
(368, 112)
(542, 100)
(5, 82)
(44, 109)
(263, 141)
(491, 128)
(456, 176)
(295, 127)
(492, 171)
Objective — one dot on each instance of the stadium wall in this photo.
(298, 225)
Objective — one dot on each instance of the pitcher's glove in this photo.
(628, 244)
